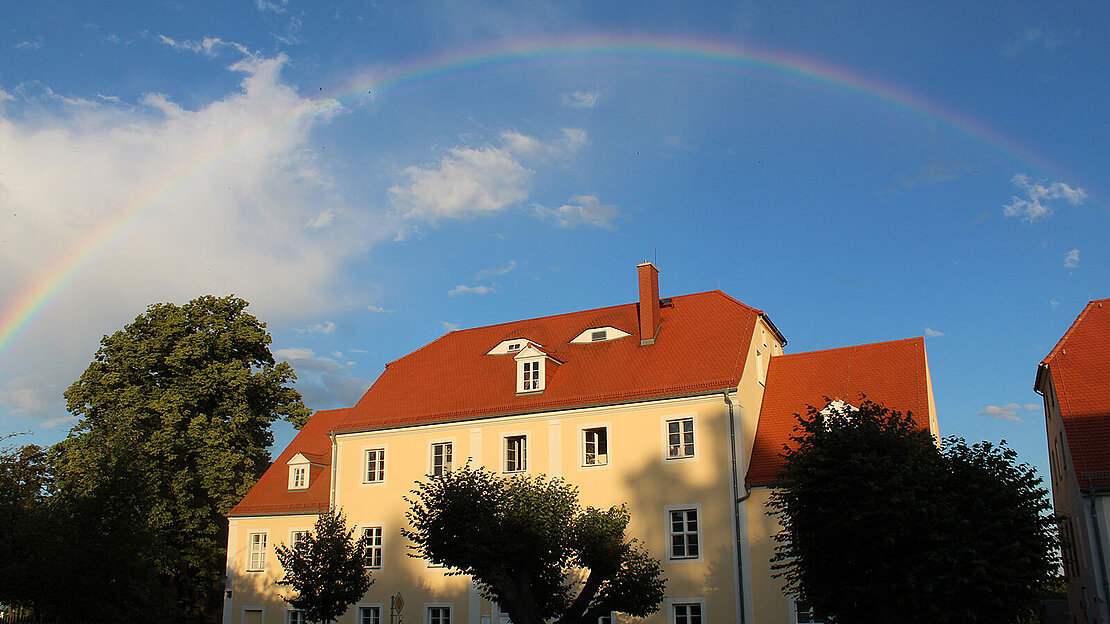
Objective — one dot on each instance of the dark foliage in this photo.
(175, 413)
(326, 570)
(880, 525)
(530, 547)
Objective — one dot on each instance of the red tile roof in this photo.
(891, 373)
(700, 347)
(271, 496)
(1080, 369)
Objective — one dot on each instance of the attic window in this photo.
(512, 346)
(298, 477)
(604, 333)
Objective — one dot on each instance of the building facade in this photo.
(677, 407)
(1074, 380)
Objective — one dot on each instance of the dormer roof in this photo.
(450, 379)
(305, 457)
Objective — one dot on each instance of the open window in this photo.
(595, 446)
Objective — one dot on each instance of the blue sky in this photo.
(372, 174)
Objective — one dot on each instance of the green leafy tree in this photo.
(175, 413)
(530, 546)
(326, 570)
(881, 525)
(24, 478)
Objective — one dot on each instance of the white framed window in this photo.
(680, 441)
(595, 446)
(531, 375)
(369, 614)
(256, 559)
(297, 538)
(686, 611)
(442, 458)
(298, 477)
(437, 614)
(516, 453)
(375, 466)
(683, 532)
(294, 616)
(372, 547)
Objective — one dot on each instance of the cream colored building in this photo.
(675, 406)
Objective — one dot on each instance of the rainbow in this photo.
(379, 86)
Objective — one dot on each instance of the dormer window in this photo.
(531, 376)
(599, 334)
(533, 367)
(512, 346)
(299, 472)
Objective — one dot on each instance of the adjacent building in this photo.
(676, 406)
(1074, 380)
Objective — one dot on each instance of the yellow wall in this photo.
(259, 589)
(637, 474)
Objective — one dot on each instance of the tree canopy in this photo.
(880, 524)
(326, 569)
(175, 413)
(530, 546)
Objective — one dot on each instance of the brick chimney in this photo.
(649, 302)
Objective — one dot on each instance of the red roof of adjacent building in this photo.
(701, 346)
(891, 373)
(271, 495)
(1080, 369)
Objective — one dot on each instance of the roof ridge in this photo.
(576, 312)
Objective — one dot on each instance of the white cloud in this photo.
(1032, 406)
(377, 309)
(50, 423)
(209, 46)
(29, 45)
(582, 210)
(449, 326)
(1038, 197)
(326, 327)
(25, 396)
(932, 333)
(1038, 37)
(1071, 259)
(324, 382)
(151, 201)
(495, 271)
(470, 290)
(277, 6)
(1006, 412)
(474, 181)
(465, 183)
(563, 146)
(581, 99)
